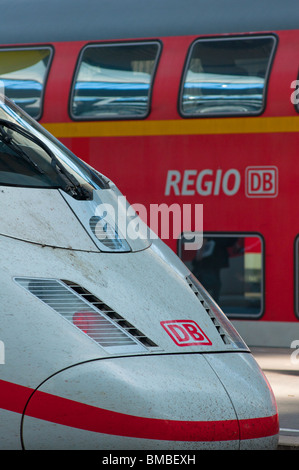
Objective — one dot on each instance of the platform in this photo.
(281, 367)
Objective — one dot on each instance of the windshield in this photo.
(31, 157)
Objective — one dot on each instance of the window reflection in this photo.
(230, 267)
(23, 74)
(114, 81)
(227, 76)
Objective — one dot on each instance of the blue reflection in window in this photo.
(227, 76)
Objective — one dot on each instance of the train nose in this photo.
(252, 398)
(150, 402)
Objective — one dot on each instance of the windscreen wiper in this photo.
(7, 140)
(71, 185)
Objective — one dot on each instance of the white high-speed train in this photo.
(109, 341)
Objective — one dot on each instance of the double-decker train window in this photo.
(23, 74)
(114, 81)
(231, 268)
(227, 76)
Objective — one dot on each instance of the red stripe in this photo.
(13, 397)
(259, 427)
(81, 416)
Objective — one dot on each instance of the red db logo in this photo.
(261, 181)
(185, 333)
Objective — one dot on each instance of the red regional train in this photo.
(184, 103)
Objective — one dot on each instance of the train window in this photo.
(23, 73)
(230, 267)
(227, 76)
(28, 158)
(114, 81)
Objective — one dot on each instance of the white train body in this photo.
(109, 344)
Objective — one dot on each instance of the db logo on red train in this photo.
(261, 181)
(185, 333)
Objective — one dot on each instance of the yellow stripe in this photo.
(243, 125)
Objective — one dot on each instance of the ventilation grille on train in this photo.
(89, 314)
(211, 312)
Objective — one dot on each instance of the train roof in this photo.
(33, 21)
